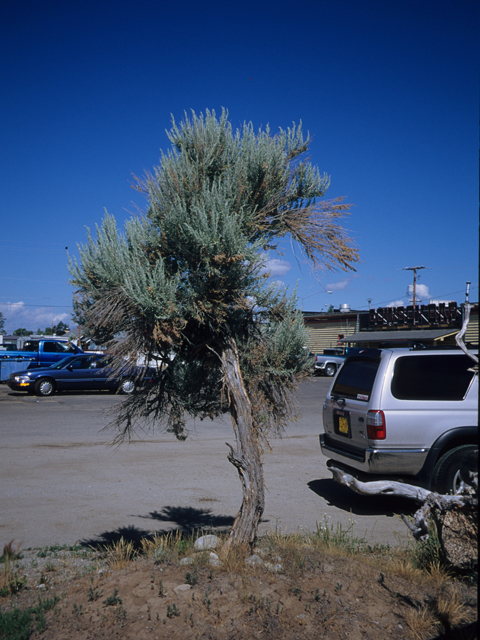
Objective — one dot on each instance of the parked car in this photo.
(330, 360)
(404, 413)
(86, 372)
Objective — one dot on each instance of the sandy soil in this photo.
(321, 596)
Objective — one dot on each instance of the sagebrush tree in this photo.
(186, 283)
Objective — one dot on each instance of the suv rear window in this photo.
(439, 377)
(356, 378)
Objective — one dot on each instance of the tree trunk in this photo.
(246, 456)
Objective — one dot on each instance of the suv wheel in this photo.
(453, 467)
(330, 370)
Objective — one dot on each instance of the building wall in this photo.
(323, 331)
(471, 334)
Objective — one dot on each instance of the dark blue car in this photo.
(86, 372)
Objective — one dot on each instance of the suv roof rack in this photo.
(444, 347)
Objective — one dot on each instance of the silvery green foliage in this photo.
(186, 277)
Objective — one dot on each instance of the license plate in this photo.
(342, 424)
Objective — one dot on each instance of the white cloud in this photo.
(397, 303)
(338, 286)
(12, 309)
(341, 284)
(17, 315)
(421, 293)
(276, 267)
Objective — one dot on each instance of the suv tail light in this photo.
(376, 428)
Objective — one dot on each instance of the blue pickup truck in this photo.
(38, 353)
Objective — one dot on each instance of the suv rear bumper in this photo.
(375, 461)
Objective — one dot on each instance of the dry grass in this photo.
(439, 615)
(450, 609)
(421, 622)
(405, 567)
(120, 554)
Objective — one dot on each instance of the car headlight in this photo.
(22, 379)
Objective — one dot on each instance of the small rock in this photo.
(207, 542)
(187, 561)
(182, 587)
(254, 560)
(214, 560)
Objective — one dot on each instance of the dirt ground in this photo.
(315, 594)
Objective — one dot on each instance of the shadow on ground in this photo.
(344, 498)
(186, 519)
(190, 519)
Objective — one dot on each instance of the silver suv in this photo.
(401, 412)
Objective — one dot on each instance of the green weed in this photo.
(18, 624)
(191, 578)
(12, 584)
(338, 537)
(113, 599)
(94, 594)
(427, 555)
(172, 611)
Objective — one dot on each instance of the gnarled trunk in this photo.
(246, 456)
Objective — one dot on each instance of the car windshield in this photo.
(61, 364)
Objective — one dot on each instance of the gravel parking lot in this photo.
(61, 481)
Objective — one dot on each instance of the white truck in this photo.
(329, 361)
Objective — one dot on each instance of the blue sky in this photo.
(388, 91)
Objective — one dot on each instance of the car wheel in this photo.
(330, 370)
(44, 387)
(127, 386)
(453, 467)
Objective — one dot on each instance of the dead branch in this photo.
(433, 503)
(459, 336)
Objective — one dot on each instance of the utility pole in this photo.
(414, 269)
